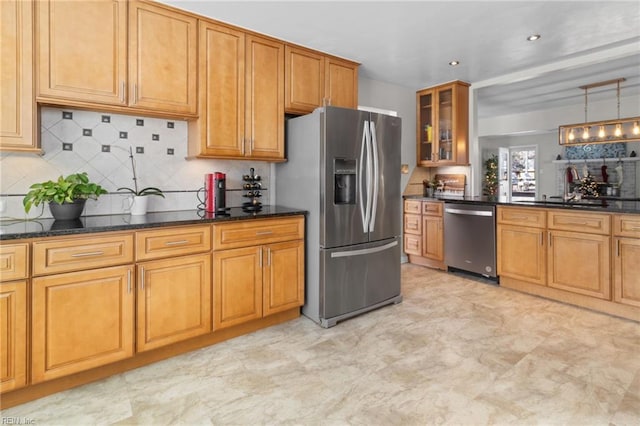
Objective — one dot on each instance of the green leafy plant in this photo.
(64, 190)
(150, 190)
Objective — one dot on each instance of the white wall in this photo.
(378, 94)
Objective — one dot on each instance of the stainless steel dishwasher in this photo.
(470, 238)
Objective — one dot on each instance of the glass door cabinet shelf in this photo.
(442, 125)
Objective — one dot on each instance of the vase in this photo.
(67, 211)
(137, 205)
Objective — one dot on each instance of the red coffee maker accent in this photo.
(214, 192)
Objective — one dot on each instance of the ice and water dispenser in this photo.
(344, 177)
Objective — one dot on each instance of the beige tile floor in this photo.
(456, 351)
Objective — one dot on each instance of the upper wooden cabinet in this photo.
(241, 96)
(443, 125)
(313, 80)
(84, 48)
(163, 59)
(18, 113)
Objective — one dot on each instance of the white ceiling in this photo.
(410, 43)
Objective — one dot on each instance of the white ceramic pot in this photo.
(137, 205)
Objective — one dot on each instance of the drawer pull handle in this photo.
(264, 232)
(176, 243)
(87, 254)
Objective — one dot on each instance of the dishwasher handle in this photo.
(469, 212)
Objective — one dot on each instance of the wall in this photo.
(544, 126)
(99, 144)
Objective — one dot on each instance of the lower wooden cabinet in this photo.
(626, 271)
(81, 320)
(13, 335)
(252, 282)
(283, 276)
(579, 263)
(173, 300)
(238, 286)
(433, 238)
(522, 253)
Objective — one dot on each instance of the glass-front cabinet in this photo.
(443, 125)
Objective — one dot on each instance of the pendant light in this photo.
(608, 131)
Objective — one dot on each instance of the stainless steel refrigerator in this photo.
(344, 168)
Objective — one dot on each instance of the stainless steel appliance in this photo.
(344, 168)
(470, 238)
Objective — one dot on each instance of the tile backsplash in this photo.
(98, 143)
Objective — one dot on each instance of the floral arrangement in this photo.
(588, 186)
(491, 176)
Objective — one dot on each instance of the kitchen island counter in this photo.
(604, 205)
(12, 230)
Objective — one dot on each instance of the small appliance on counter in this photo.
(253, 186)
(214, 193)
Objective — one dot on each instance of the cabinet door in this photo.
(432, 238)
(82, 50)
(80, 320)
(522, 253)
(304, 80)
(341, 83)
(443, 129)
(264, 128)
(174, 300)
(626, 271)
(13, 335)
(579, 263)
(426, 142)
(17, 115)
(221, 92)
(237, 283)
(162, 59)
(283, 284)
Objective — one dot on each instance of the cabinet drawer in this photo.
(255, 232)
(14, 259)
(431, 208)
(626, 225)
(522, 216)
(413, 206)
(412, 224)
(592, 223)
(159, 243)
(74, 254)
(413, 244)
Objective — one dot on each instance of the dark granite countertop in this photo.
(606, 205)
(11, 230)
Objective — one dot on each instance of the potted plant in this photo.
(66, 196)
(137, 203)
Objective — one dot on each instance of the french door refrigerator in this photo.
(344, 168)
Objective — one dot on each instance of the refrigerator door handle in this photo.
(365, 220)
(376, 177)
(369, 176)
(364, 251)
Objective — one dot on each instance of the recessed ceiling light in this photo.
(533, 37)
(454, 63)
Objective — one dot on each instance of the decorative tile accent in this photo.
(106, 148)
(603, 150)
(139, 150)
(106, 119)
(155, 137)
(67, 115)
(170, 124)
(124, 135)
(67, 146)
(87, 132)
(169, 151)
(139, 122)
